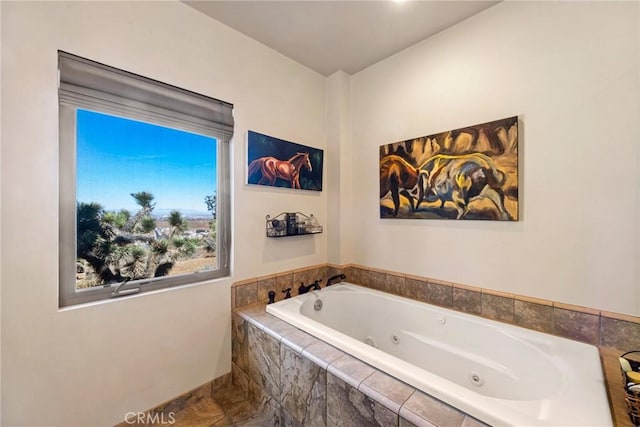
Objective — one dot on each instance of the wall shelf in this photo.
(288, 224)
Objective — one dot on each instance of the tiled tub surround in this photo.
(593, 326)
(613, 333)
(499, 373)
(297, 380)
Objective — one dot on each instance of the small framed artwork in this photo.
(467, 173)
(278, 163)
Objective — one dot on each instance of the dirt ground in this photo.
(189, 265)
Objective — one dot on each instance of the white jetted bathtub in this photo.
(501, 374)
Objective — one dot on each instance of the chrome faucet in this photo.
(304, 289)
(336, 277)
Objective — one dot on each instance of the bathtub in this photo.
(501, 374)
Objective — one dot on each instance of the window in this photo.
(144, 183)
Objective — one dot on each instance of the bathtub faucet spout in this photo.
(304, 289)
(336, 277)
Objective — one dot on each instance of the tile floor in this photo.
(228, 408)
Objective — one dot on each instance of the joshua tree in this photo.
(90, 227)
(117, 219)
(177, 222)
(94, 241)
(113, 245)
(212, 204)
(132, 262)
(143, 199)
(148, 224)
(160, 260)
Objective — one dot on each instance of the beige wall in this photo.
(569, 70)
(89, 366)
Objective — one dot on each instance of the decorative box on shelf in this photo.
(292, 224)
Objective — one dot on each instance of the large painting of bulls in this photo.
(279, 163)
(467, 173)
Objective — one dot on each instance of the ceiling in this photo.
(327, 36)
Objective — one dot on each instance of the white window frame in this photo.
(85, 84)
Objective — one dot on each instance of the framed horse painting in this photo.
(278, 163)
(466, 173)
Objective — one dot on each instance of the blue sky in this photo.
(117, 157)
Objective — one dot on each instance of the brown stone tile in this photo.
(472, 422)
(229, 396)
(236, 404)
(322, 353)
(282, 283)
(533, 316)
(348, 407)
(418, 278)
(375, 279)
(439, 293)
(415, 289)
(497, 307)
(288, 420)
(350, 370)
(534, 300)
(244, 282)
(254, 421)
(405, 423)
(222, 382)
(386, 390)
(466, 300)
(318, 273)
(577, 308)
(298, 340)
(333, 270)
(186, 399)
(264, 286)
(347, 271)
(497, 293)
(249, 311)
(300, 276)
(260, 319)
(393, 283)
(246, 294)
(304, 386)
(576, 325)
(267, 408)
(277, 328)
(239, 342)
(439, 281)
(205, 413)
(239, 379)
(355, 275)
(394, 273)
(421, 408)
(467, 287)
(264, 361)
(619, 334)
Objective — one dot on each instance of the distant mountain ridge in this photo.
(188, 213)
